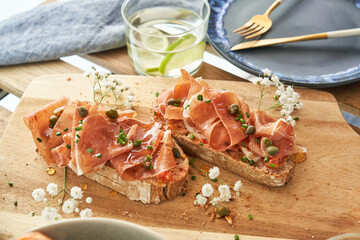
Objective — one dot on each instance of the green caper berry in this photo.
(250, 130)
(82, 111)
(267, 142)
(173, 101)
(233, 108)
(112, 113)
(147, 163)
(53, 119)
(176, 152)
(222, 211)
(272, 150)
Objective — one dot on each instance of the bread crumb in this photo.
(173, 216)
(68, 79)
(212, 217)
(203, 223)
(312, 236)
(306, 229)
(124, 213)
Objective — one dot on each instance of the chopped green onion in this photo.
(151, 167)
(175, 104)
(191, 136)
(89, 150)
(236, 237)
(78, 136)
(137, 143)
(243, 144)
(276, 97)
(154, 113)
(183, 194)
(77, 140)
(66, 129)
(237, 119)
(247, 114)
(257, 140)
(224, 89)
(148, 157)
(78, 128)
(242, 120)
(98, 155)
(244, 126)
(193, 178)
(250, 217)
(266, 159)
(251, 162)
(214, 180)
(157, 94)
(39, 139)
(296, 118)
(122, 139)
(58, 134)
(15, 203)
(10, 184)
(272, 165)
(244, 159)
(81, 122)
(191, 161)
(68, 146)
(149, 147)
(200, 97)
(201, 144)
(208, 101)
(187, 106)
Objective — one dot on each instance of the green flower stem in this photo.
(273, 106)
(206, 175)
(261, 96)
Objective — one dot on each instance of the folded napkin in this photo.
(61, 29)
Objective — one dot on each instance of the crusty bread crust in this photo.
(149, 190)
(257, 173)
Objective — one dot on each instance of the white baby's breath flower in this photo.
(275, 79)
(267, 72)
(131, 93)
(127, 86)
(118, 82)
(89, 200)
(225, 197)
(299, 105)
(290, 120)
(86, 213)
(52, 188)
(97, 88)
(76, 193)
(60, 201)
(200, 199)
(49, 213)
(68, 206)
(215, 201)
(266, 82)
(280, 90)
(77, 210)
(237, 194)
(38, 194)
(238, 185)
(45, 200)
(214, 172)
(224, 189)
(86, 74)
(207, 190)
(130, 98)
(128, 105)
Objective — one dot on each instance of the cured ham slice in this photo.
(280, 132)
(38, 123)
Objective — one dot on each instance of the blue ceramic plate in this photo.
(321, 63)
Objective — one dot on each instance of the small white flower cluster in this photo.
(286, 97)
(102, 86)
(50, 213)
(207, 190)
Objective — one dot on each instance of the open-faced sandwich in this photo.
(218, 126)
(134, 158)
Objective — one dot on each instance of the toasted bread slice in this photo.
(151, 190)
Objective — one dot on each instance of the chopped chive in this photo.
(296, 118)
(66, 129)
(272, 165)
(78, 128)
(193, 178)
(191, 136)
(10, 184)
(243, 144)
(247, 114)
(183, 194)
(157, 94)
(187, 106)
(78, 136)
(191, 161)
(208, 101)
(237, 119)
(200, 97)
(15, 203)
(32, 214)
(201, 144)
(149, 147)
(77, 140)
(137, 143)
(196, 194)
(242, 120)
(148, 157)
(68, 146)
(175, 104)
(266, 159)
(98, 155)
(251, 162)
(276, 97)
(151, 167)
(81, 122)
(244, 159)
(39, 139)
(89, 150)
(224, 89)
(214, 180)
(257, 140)
(250, 217)
(236, 237)
(244, 126)
(58, 134)
(154, 113)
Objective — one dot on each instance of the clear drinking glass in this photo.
(163, 36)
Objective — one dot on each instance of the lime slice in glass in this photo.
(152, 43)
(182, 58)
(147, 60)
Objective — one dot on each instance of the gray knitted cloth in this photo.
(61, 29)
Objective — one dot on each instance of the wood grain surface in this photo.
(322, 199)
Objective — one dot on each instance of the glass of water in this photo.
(164, 36)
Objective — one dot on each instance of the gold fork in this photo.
(258, 24)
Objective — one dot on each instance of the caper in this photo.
(267, 142)
(250, 130)
(176, 152)
(272, 150)
(173, 101)
(222, 211)
(147, 162)
(82, 111)
(233, 108)
(53, 119)
(112, 113)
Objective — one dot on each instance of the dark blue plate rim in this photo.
(216, 36)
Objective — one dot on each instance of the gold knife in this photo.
(316, 36)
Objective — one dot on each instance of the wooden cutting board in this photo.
(322, 199)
